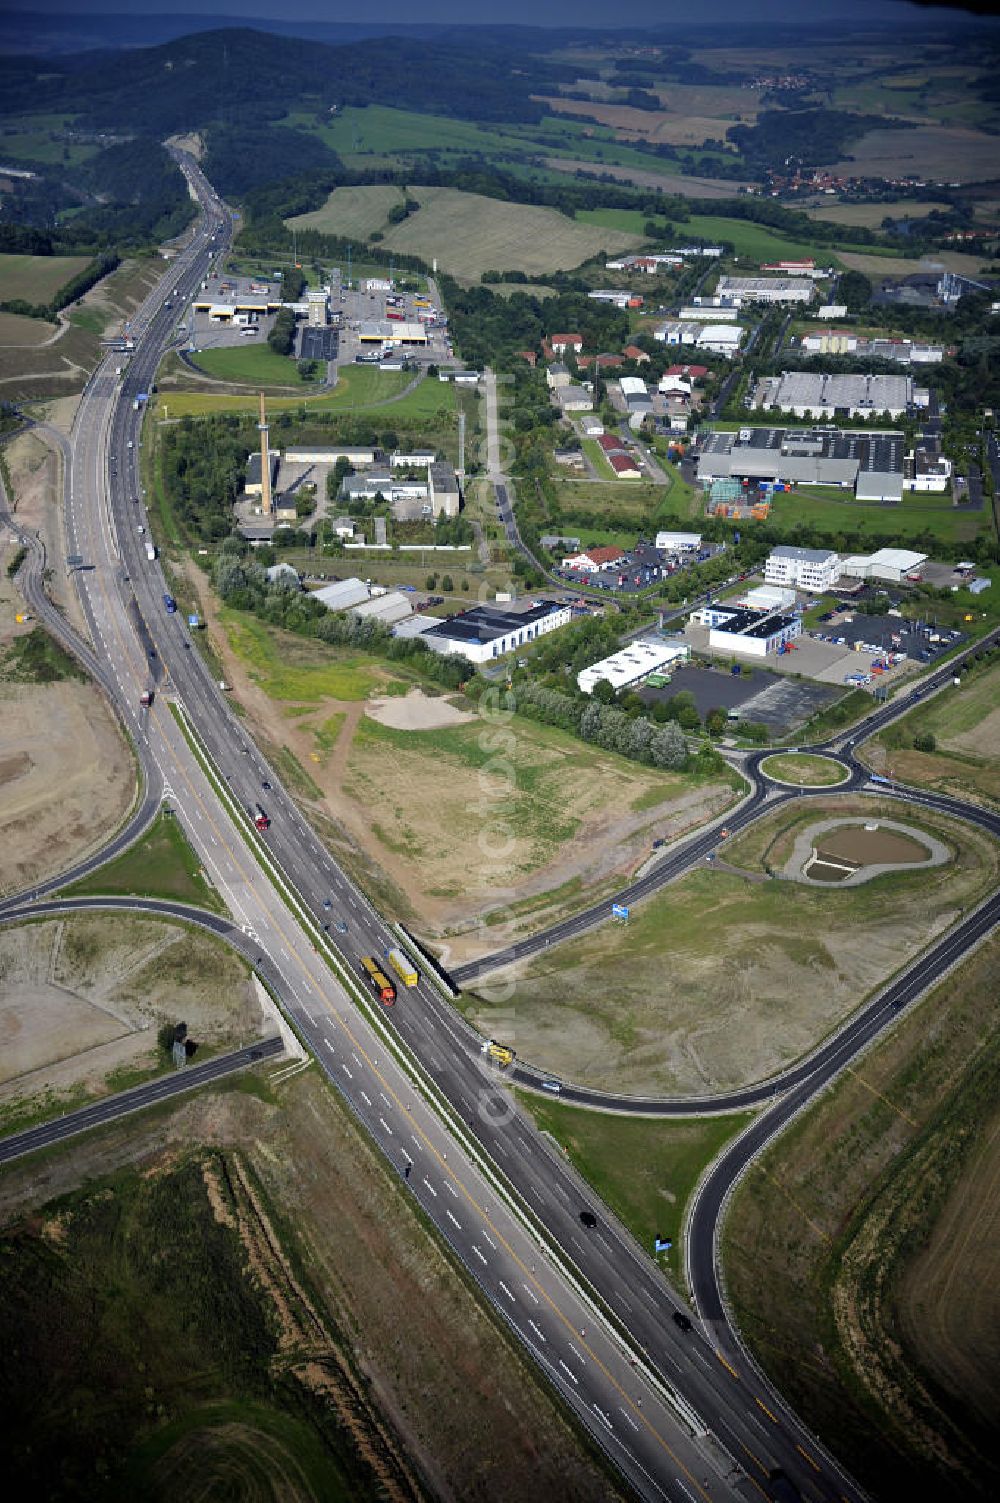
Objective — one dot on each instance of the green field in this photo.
(754, 240)
(836, 511)
(644, 1170)
(470, 234)
(250, 365)
(804, 770)
(965, 725)
(359, 387)
(161, 864)
(355, 213)
(37, 138)
(164, 1372)
(37, 279)
(293, 668)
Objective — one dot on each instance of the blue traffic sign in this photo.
(619, 911)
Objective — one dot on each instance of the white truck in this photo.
(150, 551)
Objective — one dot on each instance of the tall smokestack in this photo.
(266, 504)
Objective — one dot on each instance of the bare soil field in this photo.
(81, 1000)
(678, 126)
(20, 333)
(947, 153)
(37, 473)
(723, 978)
(867, 1238)
(414, 813)
(687, 187)
(470, 234)
(425, 1383)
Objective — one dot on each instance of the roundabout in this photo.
(804, 770)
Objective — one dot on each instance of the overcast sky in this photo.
(528, 12)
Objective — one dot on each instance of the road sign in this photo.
(619, 911)
(662, 1244)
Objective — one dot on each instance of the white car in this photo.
(140, 529)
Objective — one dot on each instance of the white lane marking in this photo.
(578, 1355)
(366, 1098)
(530, 1292)
(451, 1189)
(484, 1261)
(537, 1332)
(431, 1188)
(454, 1220)
(501, 1150)
(489, 1239)
(356, 1060)
(601, 1415)
(684, 1489)
(629, 1418)
(329, 1046)
(569, 1371)
(346, 1071)
(385, 1098)
(384, 1124)
(506, 1291)
(417, 1141)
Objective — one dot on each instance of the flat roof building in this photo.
(807, 456)
(485, 632)
(890, 564)
(574, 399)
(810, 394)
(678, 542)
(734, 629)
(632, 664)
(766, 289)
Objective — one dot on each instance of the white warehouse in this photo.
(632, 664)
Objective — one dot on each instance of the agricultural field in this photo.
(40, 138)
(729, 974)
(933, 152)
(965, 726)
(20, 333)
(902, 266)
(257, 365)
(870, 216)
(755, 241)
(868, 1237)
(37, 279)
(82, 1000)
(643, 177)
(355, 213)
(299, 1382)
(470, 234)
(643, 1169)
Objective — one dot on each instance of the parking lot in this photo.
(888, 634)
(780, 703)
(641, 567)
(319, 344)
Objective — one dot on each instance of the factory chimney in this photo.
(266, 503)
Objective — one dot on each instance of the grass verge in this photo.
(160, 865)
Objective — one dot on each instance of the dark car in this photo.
(682, 1320)
(589, 1219)
(265, 784)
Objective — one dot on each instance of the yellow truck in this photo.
(501, 1054)
(404, 967)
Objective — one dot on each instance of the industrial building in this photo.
(252, 482)
(926, 471)
(870, 464)
(815, 395)
(574, 399)
(632, 664)
(557, 375)
(316, 308)
(486, 632)
(893, 565)
(765, 289)
(734, 629)
(365, 600)
(767, 598)
(616, 297)
(717, 338)
(812, 569)
(356, 456)
(845, 342)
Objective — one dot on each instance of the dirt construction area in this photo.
(731, 973)
(81, 1000)
(446, 819)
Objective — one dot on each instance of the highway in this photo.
(676, 1412)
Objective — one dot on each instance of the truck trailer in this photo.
(377, 980)
(151, 551)
(404, 967)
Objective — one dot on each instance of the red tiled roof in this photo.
(623, 464)
(687, 370)
(606, 555)
(574, 339)
(610, 444)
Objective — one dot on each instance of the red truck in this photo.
(260, 819)
(146, 698)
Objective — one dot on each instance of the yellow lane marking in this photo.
(727, 1364)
